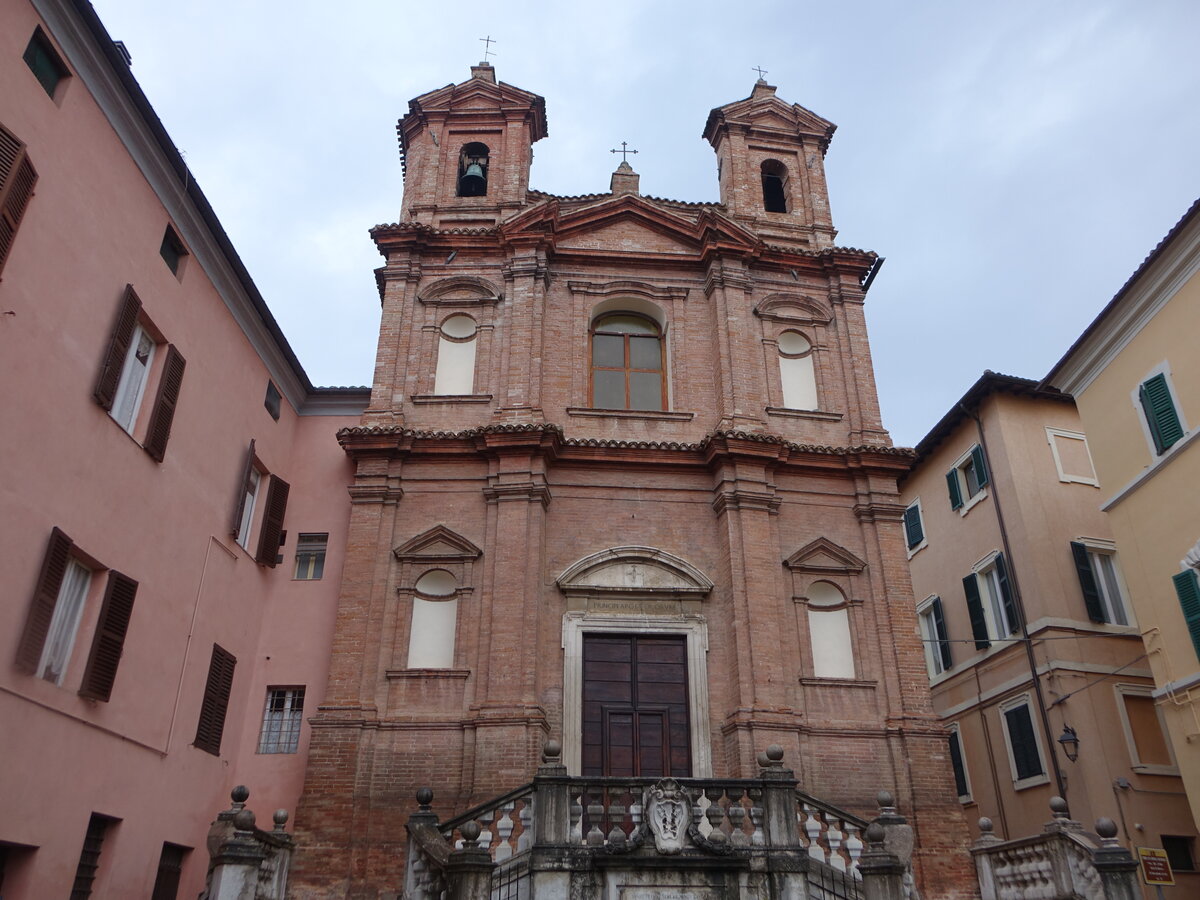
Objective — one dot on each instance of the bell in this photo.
(472, 184)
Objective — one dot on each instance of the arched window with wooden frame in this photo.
(627, 370)
(774, 185)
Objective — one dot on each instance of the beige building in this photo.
(1029, 633)
(1135, 375)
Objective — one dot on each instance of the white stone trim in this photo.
(693, 627)
(1051, 434)
(1135, 397)
(969, 502)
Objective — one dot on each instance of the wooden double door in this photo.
(635, 705)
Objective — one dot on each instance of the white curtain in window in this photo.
(60, 638)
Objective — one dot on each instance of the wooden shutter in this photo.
(1006, 594)
(1087, 582)
(243, 484)
(17, 178)
(1187, 589)
(216, 701)
(45, 598)
(913, 530)
(956, 760)
(1161, 416)
(939, 627)
(118, 348)
(109, 641)
(955, 491)
(981, 471)
(975, 611)
(270, 537)
(1026, 759)
(164, 404)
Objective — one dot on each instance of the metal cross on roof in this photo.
(760, 70)
(487, 46)
(623, 151)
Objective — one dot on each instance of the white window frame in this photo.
(933, 658)
(131, 389)
(959, 469)
(924, 542)
(64, 623)
(286, 737)
(1020, 784)
(253, 491)
(969, 796)
(306, 555)
(1101, 547)
(1147, 691)
(1164, 369)
(1063, 475)
(990, 598)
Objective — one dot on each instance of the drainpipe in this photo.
(1059, 781)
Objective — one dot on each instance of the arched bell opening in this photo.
(774, 186)
(473, 170)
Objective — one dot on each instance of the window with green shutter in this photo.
(1187, 589)
(914, 529)
(1161, 416)
(1022, 743)
(967, 480)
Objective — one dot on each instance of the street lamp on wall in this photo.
(1070, 742)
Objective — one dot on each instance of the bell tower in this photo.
(467, 149)
(770, 162)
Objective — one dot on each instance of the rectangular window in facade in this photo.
(125, 376)
(1024, 748)
(1187, 589)
(1161, 412)
(961, 783)
(1100, 582)
(215, 704)
(48, 641)
(17, 178)
(1072, 458)
(1149, 750)
(310, 556)
(44, 62)
(274, 505)
(172, 251)
(990, 602)
(272, 400)
(170, 867)
(967, 479)
(282, 718)
(938, 656)
(1181, 852)
(914, 528)
(89, 856)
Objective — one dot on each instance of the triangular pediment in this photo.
(763, 110)
(627, 231)
(634, 571)
(825, 557)
(438, 544)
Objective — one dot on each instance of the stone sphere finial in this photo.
(240, 794)
(424, 798)
(280, 818)
(244, 820)
(885, 799)
(1106, 828)
(874, 833)
(551, 750)
(986, 826)
(1059, 807)
(775, 754)
(763, 761)
(470, 832)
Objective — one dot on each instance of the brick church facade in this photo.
(622, 483)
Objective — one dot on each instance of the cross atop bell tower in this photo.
(770, 162)
(466, 150)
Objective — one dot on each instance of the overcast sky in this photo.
(1014, 161)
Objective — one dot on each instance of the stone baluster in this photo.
(758, 837)
(834, 836)
(714, 813)
(854, 848)
(1116, 865)
(616, 818)
(593, 798)
(525, 841)
(504, 830)
(737, 816)
(576, 818)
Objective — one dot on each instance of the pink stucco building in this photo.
(143, 644)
